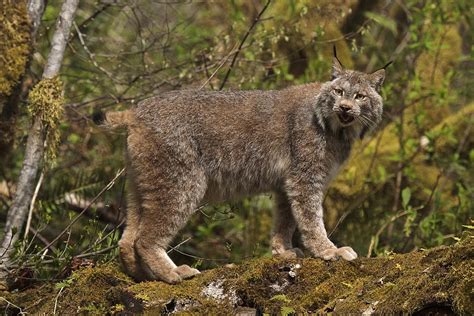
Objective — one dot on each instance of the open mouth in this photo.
(345, 118)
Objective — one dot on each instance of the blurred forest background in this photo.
(408, 186)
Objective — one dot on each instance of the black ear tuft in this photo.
(337, 67)
(387, 64)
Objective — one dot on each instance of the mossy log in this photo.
(440, 279)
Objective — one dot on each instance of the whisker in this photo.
(365, 120)
(368, 120)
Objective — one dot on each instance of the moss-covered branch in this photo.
(440, 280)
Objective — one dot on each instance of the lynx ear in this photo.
(377, 77)
(337, 67)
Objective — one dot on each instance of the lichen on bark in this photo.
(14, 44)
(46, 101)
(15, 38)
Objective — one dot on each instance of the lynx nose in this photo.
(345, 106)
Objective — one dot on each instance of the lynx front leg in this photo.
(306, 203)
(284, 227)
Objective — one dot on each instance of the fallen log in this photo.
(435, 281)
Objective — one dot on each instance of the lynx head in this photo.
(351, 100)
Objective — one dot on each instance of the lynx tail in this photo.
(118, 119)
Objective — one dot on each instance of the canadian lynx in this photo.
(187, 148)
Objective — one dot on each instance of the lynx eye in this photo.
(360, 97)
(339, 92)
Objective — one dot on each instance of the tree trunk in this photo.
(36, 141)
(10, 109)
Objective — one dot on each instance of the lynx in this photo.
(189, 148)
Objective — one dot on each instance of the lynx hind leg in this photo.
(128, 256)
(284, 227)
(166, 209)
(171, 185)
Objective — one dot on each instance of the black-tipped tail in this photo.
(98, 117)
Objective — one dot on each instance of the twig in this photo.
(105, 237)
(339, 221)
(207, 71)
(56, 300)
(90, 54)
(48, 261)
(32, 205)
(21, 312)
(92, 17)
(255, 21)
(381, 229)
(105, 213)
(41, 238)
(98, 252)
(178, 245)
(199, 258)
(106, 188)
(217, 69)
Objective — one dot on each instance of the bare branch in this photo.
(257, 19)
(107, 187)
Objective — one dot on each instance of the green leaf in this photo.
(382, 173)
(285, 311)
(281, 298)
(406, 195)
(384, 21)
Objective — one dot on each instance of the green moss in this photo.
(87, 291)
(46, 101)
(14, 44)
(396, 284)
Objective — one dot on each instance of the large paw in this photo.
(170, 277)
(345, 253)
(186, 272)
(292, 253)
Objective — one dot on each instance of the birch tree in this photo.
(45, 102)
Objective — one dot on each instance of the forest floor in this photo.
(439, 281)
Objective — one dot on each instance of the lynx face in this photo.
(351, 100)
(355, 99)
